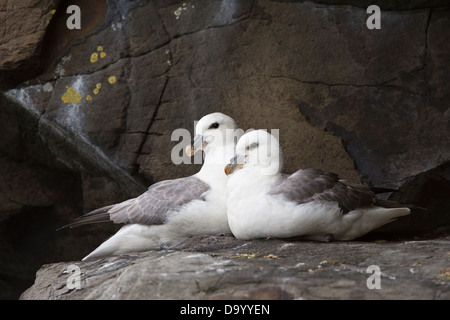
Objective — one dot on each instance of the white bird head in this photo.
(214, 130)
(257, 149)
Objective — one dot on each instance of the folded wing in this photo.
(152, 207)
(309, 185)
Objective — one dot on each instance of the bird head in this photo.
(212, 131)
(257, 149)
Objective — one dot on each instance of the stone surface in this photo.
(225, 268)
(24, 24)
(87, 115)
(48, 176)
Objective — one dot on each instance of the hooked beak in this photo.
(236, 163)
(198, 143)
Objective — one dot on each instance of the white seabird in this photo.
(171, 211)
(310, 203)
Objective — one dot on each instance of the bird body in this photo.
(171, 211)
(310, 202)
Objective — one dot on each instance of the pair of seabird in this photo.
(251, 198)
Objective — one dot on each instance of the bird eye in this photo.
(215, 125)
(252, 146)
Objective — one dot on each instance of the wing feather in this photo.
(313, 184)
(152, 207)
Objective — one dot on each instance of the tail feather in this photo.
(382, 190)
(95, 216)
(395, 204)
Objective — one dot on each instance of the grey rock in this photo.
(225, 268)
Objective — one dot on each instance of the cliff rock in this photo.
(87, 115)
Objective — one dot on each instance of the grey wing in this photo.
(313, 184)
(151, 207)
(162, 198)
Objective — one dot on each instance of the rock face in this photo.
(226, 268)
(24, 24)
(87, 115)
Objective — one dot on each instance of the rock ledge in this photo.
(225, 268)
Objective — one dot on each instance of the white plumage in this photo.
(263, 202)
(173, 210)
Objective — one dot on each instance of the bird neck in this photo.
(215, 162)
(252, 181)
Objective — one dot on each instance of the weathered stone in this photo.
(41, 190)
(226, 268)
(58, 38)
(23, 28)
(437, 66)
(99, 105)
(383, 4)
(185, 18)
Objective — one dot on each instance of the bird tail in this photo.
(382, 190)
(95, 216)
(395, 204)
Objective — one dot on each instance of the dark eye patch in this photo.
(215, 125)
(253, 145)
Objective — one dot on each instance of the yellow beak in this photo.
(196, 144)
(236, 163)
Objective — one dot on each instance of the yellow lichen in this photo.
(98, 85)
(444, 276)
(445, 272)
(94, 57)
(71, 96)
(112, 79)
(96, 91)
(88, 97)
(52, 12)
(272, 256)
